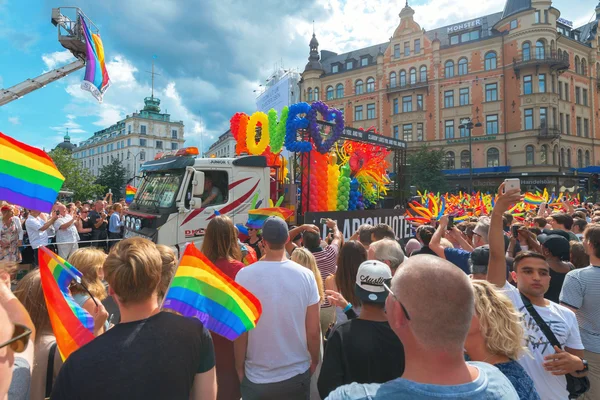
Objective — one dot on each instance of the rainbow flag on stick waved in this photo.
(130, 192)
(200, 290)
(96, 79)
(72, 325)
(257, 217)
(28, 176)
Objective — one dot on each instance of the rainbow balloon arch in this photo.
(342, 168)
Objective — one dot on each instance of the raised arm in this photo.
(290, 246)
(434, 244)
(337, 235)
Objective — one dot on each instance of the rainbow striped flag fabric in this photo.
(201, 290)
(130, 192)
(258, 216)
(28, 176)
(96, 79)
(73, 327)
(534, 199)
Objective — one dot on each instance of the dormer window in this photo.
(364, 61)
(349, 64)
(335, 69)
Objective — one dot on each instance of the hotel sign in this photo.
(565, 22)
(474, 139)
(465, 25)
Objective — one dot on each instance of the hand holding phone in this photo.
(514, 231)
(450, 222)
(511, 184)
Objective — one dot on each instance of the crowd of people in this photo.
(494, 307)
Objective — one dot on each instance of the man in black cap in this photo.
(478, 262)
(365, 349)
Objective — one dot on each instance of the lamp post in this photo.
(467, 123)
(141, 153)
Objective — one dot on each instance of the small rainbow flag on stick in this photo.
(130, 192)
(72, 325)
(531, 198)
(96, 79)
(257, 217)
(28, 176)
(200, 290)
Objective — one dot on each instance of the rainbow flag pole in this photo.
(96, 79)
(130, 192)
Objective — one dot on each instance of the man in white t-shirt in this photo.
(276, 359)
(547, 365)
(66, 232)
(36, 231)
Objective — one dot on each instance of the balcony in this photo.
(408, 86)
(539, 57)
(547, 133)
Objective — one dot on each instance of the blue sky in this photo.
(212, 55)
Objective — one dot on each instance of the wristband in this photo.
(349, 306)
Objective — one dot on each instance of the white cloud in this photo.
(14, 120)
(58, 58)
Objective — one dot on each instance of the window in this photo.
(540, 51)
(143, 142)
(577, 71)
(583, 67)
(406, 49)
(563, 160)
(128, 129)
(364, 61)
(419, 102)
(537, 17)
(579, 158)
(587, 158)
(358, 87)
(490, 60)
(358, 113)
(491, 92)
(403, 78)
(128, 142)
(449, 160)
(173, 146)
(578, 126)
(143, 129)
(568, 123)
(463, 96)
(526, 51)
(371, 111)
(423, 73)
(584, 96)
(370, 85)
(463, 66)
(395, 103)
(335, 68)
(393, 79)
(173, 134)
(493, 157)
(567, 92)
(586, 127)
(542, 83)
(449, 69)
(465, 159)
(543, 117)
(317, 94)
(569, 158)
(529, 155)
(407, 132)
(329, 93)
(449, 98)
(449, 129)
(553, 83)
(396, 51)
(413, 76)
(577, 95)
(417, 46)
(544, 154)
(159, 144)
(466, 37)
(420, 132)
(561, 121)
(339, 91)
(309, 94)
(396, 134)
(513, 24)
(560, 90)
(407, 104)
(527, 84)
(528, 119)
(463, 131)
(491, 124)
(349, 65)
(454, 39)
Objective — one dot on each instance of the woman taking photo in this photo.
(11, 235)
(254, 240)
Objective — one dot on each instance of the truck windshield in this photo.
(159, 190)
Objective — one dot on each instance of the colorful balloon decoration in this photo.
(237, 124)
(295, 122)
(277, 129)
(318, 181)
(343, 188)
(328, 114)
(333, 175)
(260, 147)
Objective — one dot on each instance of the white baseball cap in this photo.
(371, 276)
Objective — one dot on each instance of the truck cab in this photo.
(180, 194)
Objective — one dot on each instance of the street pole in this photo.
(470, 127)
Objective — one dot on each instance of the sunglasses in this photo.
(399, 302)
(20, 339)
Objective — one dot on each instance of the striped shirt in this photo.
(327, 264)
(581, 291)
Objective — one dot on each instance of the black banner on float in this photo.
(349, 221)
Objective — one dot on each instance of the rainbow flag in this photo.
(28, 176)
(96, 79)
(130, 192)
(257, 217)
(200, 290)
(531, 198)
(72, 325)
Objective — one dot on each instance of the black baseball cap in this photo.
(481, 255)
(557, 245)
(275, 231)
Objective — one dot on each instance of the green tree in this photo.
(425, 169)
(77, 179)
(113, 176)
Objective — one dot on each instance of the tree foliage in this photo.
(79, 180)
(425, 169)
(113, 176)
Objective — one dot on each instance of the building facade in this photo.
(136, 139)
(280, 90)
(224, 147)
(525, 74)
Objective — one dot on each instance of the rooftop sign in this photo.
(465, 25)
(565, 22)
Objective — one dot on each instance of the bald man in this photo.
(430, 307)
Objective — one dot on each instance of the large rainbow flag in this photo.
(28, 176)
(257, 217)
(130, 192)
(200, 290)
(96, 79)
(72, 325)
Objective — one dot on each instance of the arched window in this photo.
(576, 64)
(526, 51)
(551, 45)
(529, 155)
(423, 73)
(563, 159)
(465, 159)
(403, 78)
(579, 158)
(583, 67)
(544, 154)
(555, 155)
(569, 158)
(540, 50)
(449, 69)
(316, 94)
(309, 96)
(449, 160)
(587, 158)
(393, 79)
(463, 66)
(339, 91)
(493, 157)
(490, 60)
(370, 85)
(358, 87)
(329, 93)
(413, 76)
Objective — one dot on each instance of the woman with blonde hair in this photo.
(305, 258)
(89, 262)
(496, 337)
